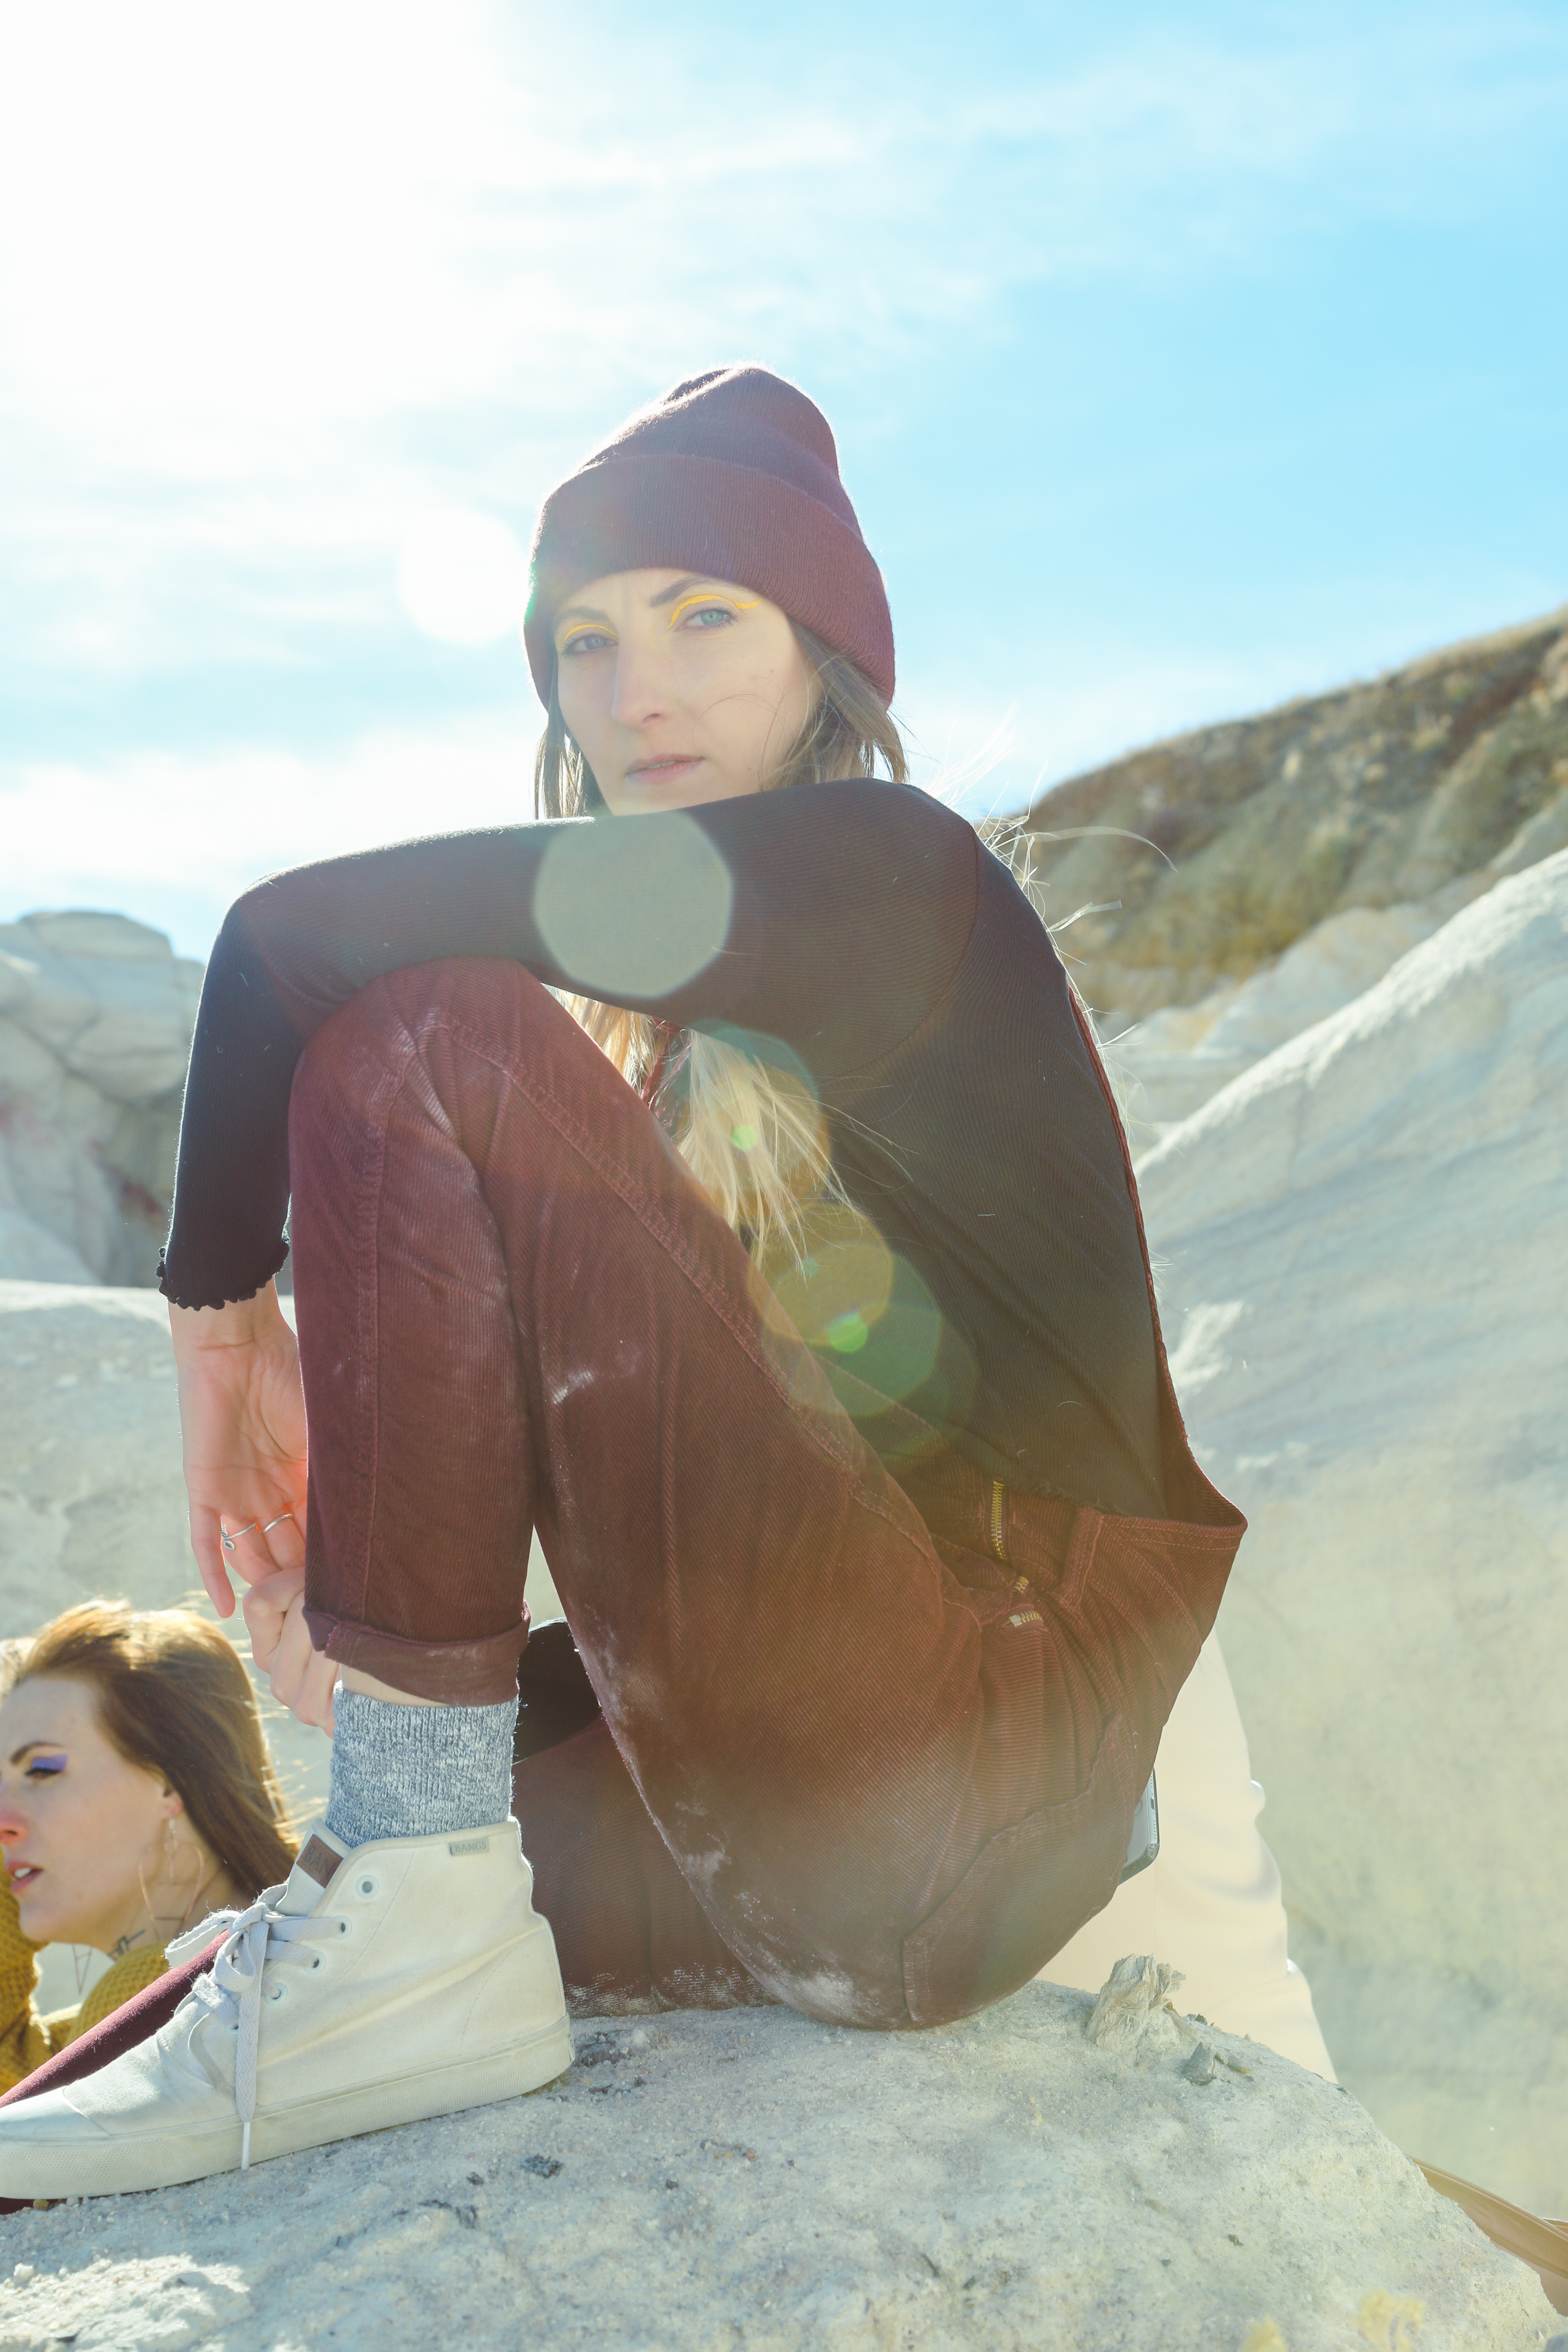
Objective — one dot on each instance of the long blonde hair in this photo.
(752, 1135)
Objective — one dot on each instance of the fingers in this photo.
(299, 1677)
(314, 1704)
(206, 1544)
(266, 1604)
(284, 1537)
(249, 1549)
(273, 1540)
(312, 1687)
(290, 1651)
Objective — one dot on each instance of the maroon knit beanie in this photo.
(733, 475)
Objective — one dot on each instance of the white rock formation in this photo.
(1172, 1064)
(29, 1252)
(1364, 1253)
(96, 1017)
(752, 2177)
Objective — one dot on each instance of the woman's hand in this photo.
(299, 1677)
(242, 1421)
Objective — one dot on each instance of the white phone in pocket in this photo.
(1145, 1843)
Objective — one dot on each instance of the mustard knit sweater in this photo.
(27, 2039)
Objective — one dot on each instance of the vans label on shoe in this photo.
(318, 1860)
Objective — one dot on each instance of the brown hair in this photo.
(173, 1699)
(752, 1137)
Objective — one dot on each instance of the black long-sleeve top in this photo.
(858, 932)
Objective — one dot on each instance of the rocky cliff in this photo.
(1414, 791)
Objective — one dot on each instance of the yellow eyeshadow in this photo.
(687, 602)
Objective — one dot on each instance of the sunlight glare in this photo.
(463, 578)
(208, 211)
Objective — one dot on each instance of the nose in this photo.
(13, 1826)
(642, 692)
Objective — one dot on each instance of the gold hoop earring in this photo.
(171, 1842)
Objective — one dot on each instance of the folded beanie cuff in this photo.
(727, 522)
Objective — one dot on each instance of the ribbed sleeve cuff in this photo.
(187, 1286)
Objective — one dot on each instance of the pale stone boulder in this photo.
(30, 1252)
(751, 2178)
(96, 1017)
(109, 996)
(1364, 1245)
(1172, 1064)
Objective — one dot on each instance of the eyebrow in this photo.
(28, 1745)
(666, 596)
(677, 588)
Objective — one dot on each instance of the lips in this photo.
(23, 1873)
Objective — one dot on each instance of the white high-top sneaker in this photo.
(404, 1979)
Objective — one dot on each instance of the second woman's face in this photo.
(82, 1829)
(678, 689)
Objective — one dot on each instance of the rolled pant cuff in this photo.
(457, 1673)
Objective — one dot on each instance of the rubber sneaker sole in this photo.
(107, 2164)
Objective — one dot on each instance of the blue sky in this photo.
(1181, 359)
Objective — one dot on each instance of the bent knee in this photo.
(367, 1040)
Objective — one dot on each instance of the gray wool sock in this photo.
(417, 1771)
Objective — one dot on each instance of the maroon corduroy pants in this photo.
(839, 1765)
(842, 1761)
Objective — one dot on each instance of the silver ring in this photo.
(278, 1522)
(227, 1540)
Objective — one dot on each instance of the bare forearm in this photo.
(245, 1323)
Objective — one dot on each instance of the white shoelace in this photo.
(231, 1990)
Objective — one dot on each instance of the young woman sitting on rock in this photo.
(136, 1795)
(806, 1315)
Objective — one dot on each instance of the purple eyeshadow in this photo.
(47, 1763)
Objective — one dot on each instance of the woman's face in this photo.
(678, 689)
(82, 1829)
